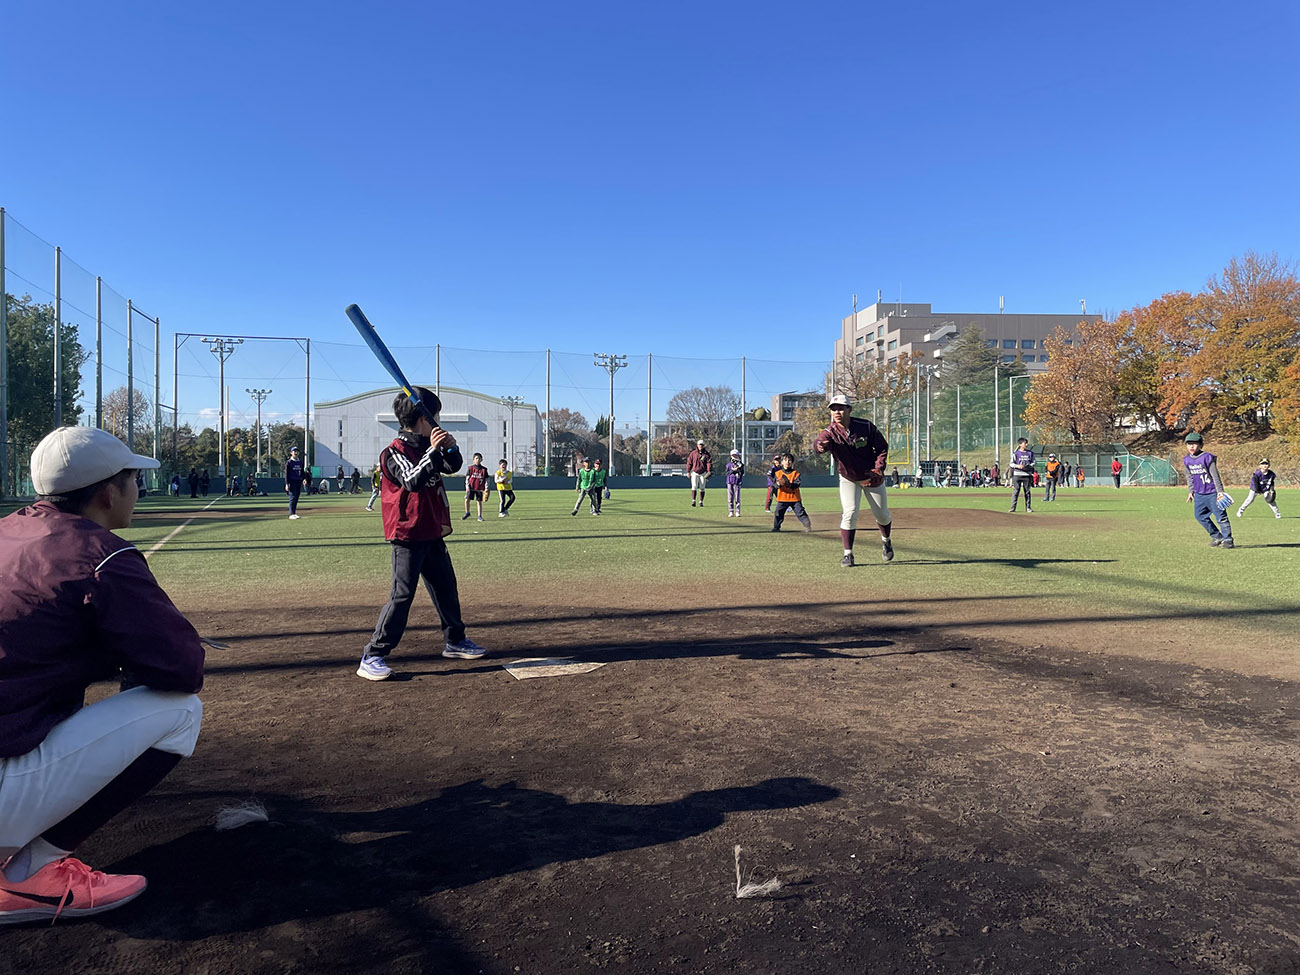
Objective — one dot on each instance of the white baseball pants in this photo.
(86, 752)
(851, 493)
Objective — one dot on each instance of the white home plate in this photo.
(549, 667)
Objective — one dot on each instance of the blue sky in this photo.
(704, 179)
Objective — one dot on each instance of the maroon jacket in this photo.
(79, 605)
(858, 448)
(699, 462)
(412, 497)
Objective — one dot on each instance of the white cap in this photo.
(77, 457)
(699, 442)
(735, 453)
(839, 399)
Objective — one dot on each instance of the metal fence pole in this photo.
(157, 391)
(959, 426)
(58, 336)
(546, 431)
(308, 441)
(130, 378)
(99, 352)
(649, 416)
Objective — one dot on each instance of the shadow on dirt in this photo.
(308, 863)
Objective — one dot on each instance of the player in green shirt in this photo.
(597, 492)
(585, 475)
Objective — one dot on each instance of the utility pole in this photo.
(223, 349)
(512, 402)
(259, 395)
(613, 363)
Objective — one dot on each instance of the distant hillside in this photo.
(1238, 455)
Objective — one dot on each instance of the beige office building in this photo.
(882, 332)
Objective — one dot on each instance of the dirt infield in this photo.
(931, 802)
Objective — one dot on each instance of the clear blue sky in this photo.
(689, 179)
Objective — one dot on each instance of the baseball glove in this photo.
(873, 479)
(1270, 495)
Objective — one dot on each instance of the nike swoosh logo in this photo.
(39, 898)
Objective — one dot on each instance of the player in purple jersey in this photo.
(1264, 482)
(1022, 475)
(1205, 492)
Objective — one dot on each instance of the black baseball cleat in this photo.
(1227, 543)
(847, 561)
(1216, 542)
(887, 549)
(464, 516)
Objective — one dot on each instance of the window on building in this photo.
(1008, 358)
(862, 356)
(340, 428)
(861, 340)
(893, 360)
(340, 451)
(1008, 343)
(880, 331)
(1026, 343)
(991, 344)
(893, 344)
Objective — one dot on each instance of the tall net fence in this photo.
(236, 404)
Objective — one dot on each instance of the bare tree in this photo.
(117, 414)
(707, 412)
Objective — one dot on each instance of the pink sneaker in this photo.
(66, 888)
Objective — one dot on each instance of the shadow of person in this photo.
(312, 863)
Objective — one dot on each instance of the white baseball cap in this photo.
(735, 453)
(76, 457)
(839, 399)
(699, 442)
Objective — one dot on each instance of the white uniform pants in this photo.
(87, 751)
(698, 481)
(1250, 499)
(851, 493)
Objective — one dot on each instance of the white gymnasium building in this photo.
(351, 432)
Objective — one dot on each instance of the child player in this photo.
(583, 486)
(787, 495)
(735, 475)
(1205, 491)
(476, 480)
(1022, 475)
(598, 482)
(505, 493)
(860, 453)
(417, 517)
(1263, 481)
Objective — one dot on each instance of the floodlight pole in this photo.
(613, 363)
(223, 349)
(259, 395)
(512, 402)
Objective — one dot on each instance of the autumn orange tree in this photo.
(1156, 346)
(1253, 338)
(1217, 356)
(1287, 403)
(1076, 398)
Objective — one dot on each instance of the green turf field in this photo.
(1133, 553)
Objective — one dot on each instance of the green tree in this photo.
(31, 371)
(205, 447)
(968, 360)
(281, 436)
